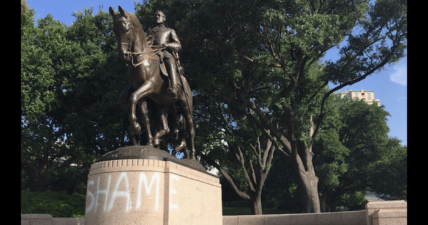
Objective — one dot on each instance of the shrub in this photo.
(55, 203)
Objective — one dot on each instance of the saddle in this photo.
(162, 67)
(161, 64)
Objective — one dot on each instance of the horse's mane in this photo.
(136, 22)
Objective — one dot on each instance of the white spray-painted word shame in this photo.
(122, 190)
(172, 191)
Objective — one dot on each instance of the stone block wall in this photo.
(337, 218)
(378, 212)
(390, 217)
(334, 218)
(378, 216)
(37, 219)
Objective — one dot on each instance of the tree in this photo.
(41, 49)
(27, 17)
(251, 165)
(281, 41)
(388, 176)
(281, 189)
(363, 134)
(94, 120)
(330, 153)
(70, 114)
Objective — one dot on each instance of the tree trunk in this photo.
(309, 185)
(322, 202)
(308, 182)
(256, 202)
(40, 173)
(331, 201)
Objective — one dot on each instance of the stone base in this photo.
(150, 191)
(148, 152)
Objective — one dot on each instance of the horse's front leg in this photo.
(141, 92)
(146, 120)
(125, 105)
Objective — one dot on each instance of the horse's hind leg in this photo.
(181, 136)
(133, 130)
(190, 131)
(165, 128)
(190, 138)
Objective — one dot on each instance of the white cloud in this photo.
(400, 74)
(400, 98)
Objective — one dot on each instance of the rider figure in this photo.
(166, 37)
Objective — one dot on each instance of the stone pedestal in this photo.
(150, 191)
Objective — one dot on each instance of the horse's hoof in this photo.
(134, 128)
(156, 142)
(180, 147)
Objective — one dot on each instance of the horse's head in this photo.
(123, 28)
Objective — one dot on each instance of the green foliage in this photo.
(353, 200)
(27, 17)
(350, 154)
(281, 190)
(70, 80)
(42, 49)
(364, 133)
(56, 203)
(384, 26)
(388, 176)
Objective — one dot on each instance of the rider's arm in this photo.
(174, 43)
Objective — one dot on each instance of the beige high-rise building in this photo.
(366, 95)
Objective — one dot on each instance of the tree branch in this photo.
(271, 138)
(257, 154)
(253, 182)
(255, 61)
(381, 64)
(269, 42)
(226, 175)
(266, 151)
(262, 117)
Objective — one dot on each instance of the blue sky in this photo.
(389, 85)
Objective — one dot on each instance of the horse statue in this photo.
(147, 82)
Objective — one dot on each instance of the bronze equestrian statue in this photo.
(146, 70)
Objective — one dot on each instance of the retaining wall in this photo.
(376, 213)
(337, 218)
(334, 218)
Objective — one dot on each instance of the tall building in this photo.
(366, 95)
